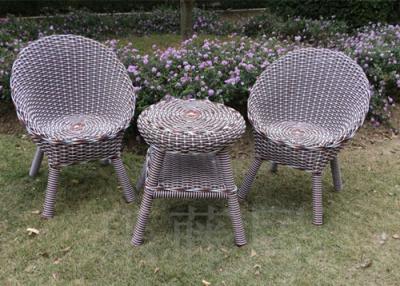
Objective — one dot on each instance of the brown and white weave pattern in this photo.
(303, 108)
(188, 157)
(190, 125)
(76, 99)
(71, 90)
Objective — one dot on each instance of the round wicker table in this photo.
(188, 156)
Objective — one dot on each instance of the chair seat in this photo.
(299, 134)
(78, 128)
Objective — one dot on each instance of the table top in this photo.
(190, 125)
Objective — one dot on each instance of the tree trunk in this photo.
(186, 18)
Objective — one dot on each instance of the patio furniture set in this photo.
(76, 99)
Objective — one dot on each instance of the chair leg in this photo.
(123, 179)
(37, 160)
(51, 193)
(274, 167)
(144, 213)
(336, 175)
(236, 218)
(154, 168)
(317, 198)
(248, 180)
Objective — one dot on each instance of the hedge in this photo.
(355, 12)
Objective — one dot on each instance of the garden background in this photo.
(88, 241)
(221, 68)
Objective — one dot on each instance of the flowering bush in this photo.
(215, 69)
(376, 48)
(222, 70)
(8, 52)
(226, 70)
(300, 29)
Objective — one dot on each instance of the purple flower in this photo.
(250, 54)
(132, 68)
(233, 80)
(211, 92)
(184, 79)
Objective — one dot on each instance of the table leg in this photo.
(154, 170)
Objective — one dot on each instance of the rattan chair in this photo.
(75, 99)
(303, 108)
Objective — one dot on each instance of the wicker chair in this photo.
(75, 99)
(303, 108)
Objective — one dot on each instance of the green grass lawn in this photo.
(88, 241)
(144, 43)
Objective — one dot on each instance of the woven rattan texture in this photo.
(173, 175)
(70, 90)
(188, 157)
(192, 172)
(303, 108)
(201, 172)
(76, 99)
(190, 125)
(305, 105)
